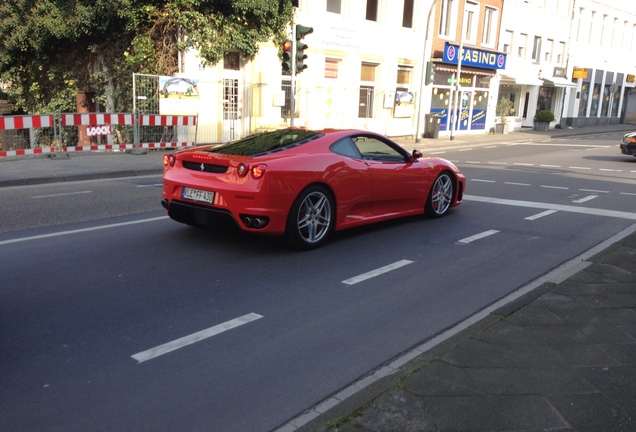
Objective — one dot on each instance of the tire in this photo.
(441, 196)
(311, 219)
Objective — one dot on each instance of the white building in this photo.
(366, 59)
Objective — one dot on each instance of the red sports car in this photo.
(304, 184)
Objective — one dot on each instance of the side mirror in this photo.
(417, 154)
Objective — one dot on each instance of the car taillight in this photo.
(258, 171)
(242, 170)
(169, 160)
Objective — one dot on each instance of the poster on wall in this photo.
(404, 104)
(178, 96)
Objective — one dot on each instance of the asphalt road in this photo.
(114, 317)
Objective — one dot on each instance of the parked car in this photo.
(304, 184)
(628, 145)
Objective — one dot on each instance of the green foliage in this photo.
(503, 110)
(52, 49)
(544, 116)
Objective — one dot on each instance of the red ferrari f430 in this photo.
(305, 184)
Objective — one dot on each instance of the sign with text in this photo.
(474, 57)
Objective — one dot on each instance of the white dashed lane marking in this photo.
(376, 272)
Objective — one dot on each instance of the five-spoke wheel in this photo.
(441, 196)
(311, 218)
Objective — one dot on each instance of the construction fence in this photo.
(61, 132)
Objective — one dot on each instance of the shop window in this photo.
(513, 94)
(407, 15)
(596, 98)
(334, 6)
(585, 95)
(372, 10)
(546, 98)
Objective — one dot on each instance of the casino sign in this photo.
(474, 57)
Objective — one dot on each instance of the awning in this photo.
(558, 82)
(523, 79)
(468, 70)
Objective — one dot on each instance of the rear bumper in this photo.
(628, 149)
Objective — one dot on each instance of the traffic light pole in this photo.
(292, 102)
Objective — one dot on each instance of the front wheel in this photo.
(311, 218)
(441, 196)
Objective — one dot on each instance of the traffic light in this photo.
(287, 56)
(301, 32)
(430, 72)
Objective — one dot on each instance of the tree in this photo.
(50, 50)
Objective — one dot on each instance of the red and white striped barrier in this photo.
(166, 120)
(95, 119)
(26, 122)
(100, 123)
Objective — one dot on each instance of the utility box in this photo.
(432, 126)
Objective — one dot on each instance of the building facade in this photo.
(367, 65)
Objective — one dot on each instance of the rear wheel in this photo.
(311, 218)
(441, 196)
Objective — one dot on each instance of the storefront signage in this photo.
(474, 57)
(558, 72)
(630, 78)
(579, 72)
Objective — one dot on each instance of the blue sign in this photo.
(474, 57)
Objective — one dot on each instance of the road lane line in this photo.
(62, 194)
(594, 191)
(550, 166)
(517, 184)
(377, 272)
(523, 164)
(558, 207)
(479, 236)
(628, 193)
(194, 337)
(540, 215)
(482, 181)
(96, 228)
(579, 168)
(585, 199)
(553, 187)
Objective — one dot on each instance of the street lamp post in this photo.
(457, 117)
(421, 95)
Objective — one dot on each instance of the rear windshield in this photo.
(266, 142)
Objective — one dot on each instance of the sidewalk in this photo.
(61, 167)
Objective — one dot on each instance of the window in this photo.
(471, 17)
(536, 49)
(331, 68)
(507, 42)
(490, 27)
(403, 78)
(523, 42)
(548, 50)
(372, 10)
(334, 6)
(547, 96)
(447, 18)
(367, 90)
(407, 15)
(561, 54)
(604, 31)
(614, 31)
(589, 35)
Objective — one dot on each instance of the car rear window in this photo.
(267, 142)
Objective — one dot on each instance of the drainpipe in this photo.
(423, 67)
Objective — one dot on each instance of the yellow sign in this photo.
(579, 72)
(630, 78)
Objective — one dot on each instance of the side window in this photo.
(346, 147)
(373, 149)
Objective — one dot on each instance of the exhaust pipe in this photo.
(164, 203)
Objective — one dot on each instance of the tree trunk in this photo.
(85, 104)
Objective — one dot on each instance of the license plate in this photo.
(197, 195)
